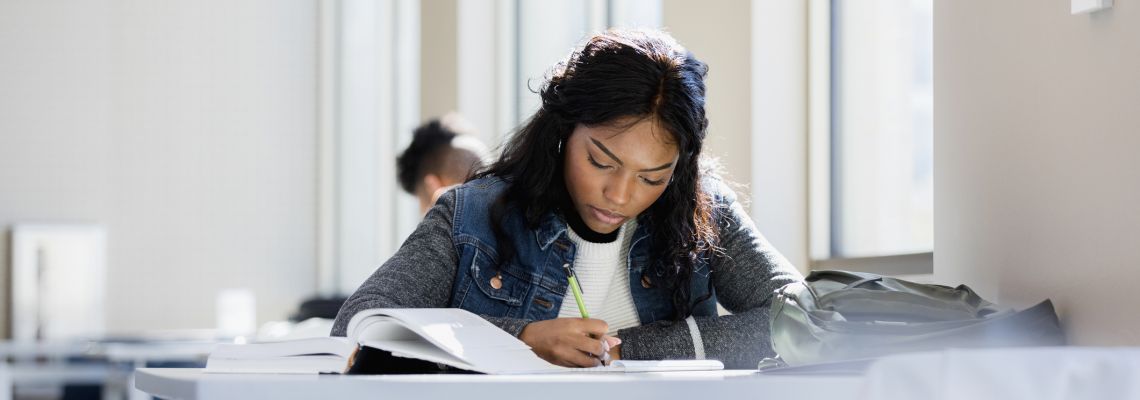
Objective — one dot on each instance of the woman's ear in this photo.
(432, 183)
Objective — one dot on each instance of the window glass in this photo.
(882, 128)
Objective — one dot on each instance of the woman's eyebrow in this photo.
(603, 148)
(657, 168)
(607, 151)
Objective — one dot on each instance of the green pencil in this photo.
(577, 290)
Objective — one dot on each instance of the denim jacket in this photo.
(533, 284)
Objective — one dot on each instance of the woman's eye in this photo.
(658, 182)
(595, 163)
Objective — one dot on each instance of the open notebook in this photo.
(414, 340)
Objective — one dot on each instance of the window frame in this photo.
(821, 193)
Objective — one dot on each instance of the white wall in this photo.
(481, 79)
(1037, 136)
(187, 128)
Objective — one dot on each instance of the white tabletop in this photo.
(191, 383)
(978, 374)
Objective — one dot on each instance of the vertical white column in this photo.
(779, 126)
(406, 116)
(328, 26)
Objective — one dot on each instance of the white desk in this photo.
(191, 383)
(1050, 373)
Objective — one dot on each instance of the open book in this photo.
(413, 340)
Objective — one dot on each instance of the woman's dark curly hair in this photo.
(620, 73)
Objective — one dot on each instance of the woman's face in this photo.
(615, 172)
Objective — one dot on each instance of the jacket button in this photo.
(497, 282)
(645, 282)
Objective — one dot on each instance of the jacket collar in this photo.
(549, 230)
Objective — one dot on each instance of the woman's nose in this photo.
(617, 191)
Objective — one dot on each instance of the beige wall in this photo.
(1037, 136)
(439, 57)
(756, 105)
(705, 28)
(186, 128)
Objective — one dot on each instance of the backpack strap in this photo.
(863, 281)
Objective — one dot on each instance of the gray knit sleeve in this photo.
(419, 275)
(744, 280)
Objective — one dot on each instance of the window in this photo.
(549, 30)
(880, 158)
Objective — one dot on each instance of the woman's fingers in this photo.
(595, 349)
(575, 356)
(595, 328)
(597, 345)
(571, 342)
(586, 360)
(578, 351)
(613, 349)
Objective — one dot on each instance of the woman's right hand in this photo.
(569, 342)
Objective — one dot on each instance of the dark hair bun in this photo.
(428, 139)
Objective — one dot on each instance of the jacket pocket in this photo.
(491, 291)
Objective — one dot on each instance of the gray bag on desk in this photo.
(839, 315)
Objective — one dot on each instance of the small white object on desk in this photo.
(1088, 6)
(237, 313)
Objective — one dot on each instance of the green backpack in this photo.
(839, 315)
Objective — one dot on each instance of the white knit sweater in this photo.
(603, 274)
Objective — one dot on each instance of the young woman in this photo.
(606, 180)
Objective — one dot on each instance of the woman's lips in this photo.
(607, 217)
